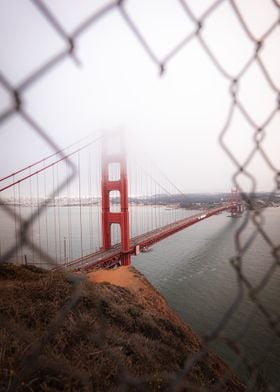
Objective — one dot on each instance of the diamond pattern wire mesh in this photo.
(253, 217)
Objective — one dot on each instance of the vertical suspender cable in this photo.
(31, 211)
(69, 213)
(149, 199)
(139, 229)
(155, 205)
(15, 221)
(46, 212)
(98, 198)
(38, 218)
(90, 204)
(144, 192)
(159, 205)
(80, 205)
(54, 215)
(58, 216)
(20, 222)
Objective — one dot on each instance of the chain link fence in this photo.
(253, 225)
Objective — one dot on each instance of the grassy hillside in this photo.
(102, 338)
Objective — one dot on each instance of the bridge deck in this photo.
(111, 256)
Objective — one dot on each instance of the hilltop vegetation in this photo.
(104, 338)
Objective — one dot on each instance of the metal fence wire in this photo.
(254, 218)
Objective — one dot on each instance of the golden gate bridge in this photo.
(46, 202)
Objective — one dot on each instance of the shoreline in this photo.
(130, 278)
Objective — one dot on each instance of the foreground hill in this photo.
(62, 334)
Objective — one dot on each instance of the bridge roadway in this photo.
(107, 258)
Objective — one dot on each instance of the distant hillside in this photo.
(206, 200)
(114, 339)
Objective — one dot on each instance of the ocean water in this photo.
(192, 271)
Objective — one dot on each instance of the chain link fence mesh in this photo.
(254, 218)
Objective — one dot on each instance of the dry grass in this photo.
(113, 339)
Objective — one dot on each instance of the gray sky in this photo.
(175, 118)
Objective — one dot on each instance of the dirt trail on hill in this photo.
(123, 276)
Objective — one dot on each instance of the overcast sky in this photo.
(175, 118)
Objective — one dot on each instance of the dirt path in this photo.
(122, 276)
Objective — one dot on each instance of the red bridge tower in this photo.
(236, 205)
(107, 186)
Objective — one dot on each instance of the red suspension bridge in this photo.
(94, 217)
